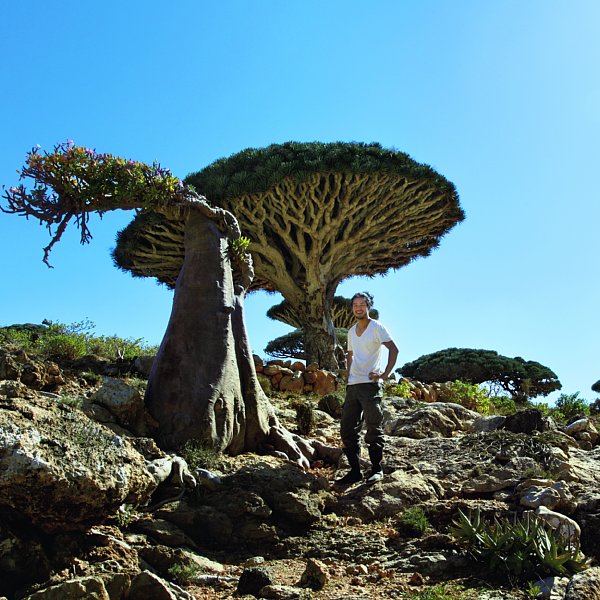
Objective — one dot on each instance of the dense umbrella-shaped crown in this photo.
(515, 375)
(314, 212)
(341, 313)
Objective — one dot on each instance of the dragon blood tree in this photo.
(341, 313)
(315, 215)
(203, 384)
(292, 344)
(521, 378)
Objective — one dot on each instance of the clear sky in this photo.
(501, 97)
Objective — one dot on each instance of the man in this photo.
(364, 389)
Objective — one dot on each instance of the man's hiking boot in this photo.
(354, 475)
(349, 478)
(375, 476)
(375, 454)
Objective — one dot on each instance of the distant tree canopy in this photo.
(291, 345)
(596, 386)
(521, 378)
(315, 214)
(341, 313)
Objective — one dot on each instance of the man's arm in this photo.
(392, 356)
(348, 364)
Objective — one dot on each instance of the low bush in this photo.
(305, 417)
(469, 395)
(569, 406)
(414, 521)
(72, 341)
(198, 454)
(184, 573)
(400, 389)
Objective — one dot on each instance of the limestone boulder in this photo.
(126, 404)
(18, 366)
(584, 431)
(90, 588)
(440, 419)
(584, 585)
(61, 471)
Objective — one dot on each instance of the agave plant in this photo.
(527, 546)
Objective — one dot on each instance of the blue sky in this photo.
(500, 97)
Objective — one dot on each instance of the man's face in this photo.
(360, 308)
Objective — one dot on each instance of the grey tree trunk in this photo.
(203, 384)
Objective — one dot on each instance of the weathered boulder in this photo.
(253, 579)
(147, 585)
(126, 404)
(525, 421)
(143, 365)
(440, 419)
(292, 383)
(83, 588)
(16, 365)
(61, 471)
(584, 585)
(162, 558)
(315, 575)
(566, 527)
(584, 431)
(331, 404)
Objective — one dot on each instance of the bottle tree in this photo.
(203, 384)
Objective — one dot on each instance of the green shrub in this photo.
(72, 341)
(469, 395)
(502, 405)
(570, 405)
(400, 389)
(114, 347)
(184, 573)
(21, 338)
(70, 400)
(525, 548)
(126, 514)
(305, 417)
(265, 384)
(63, 346)
(414, 521)
(437, 592)
(91, 378)
(199, 454)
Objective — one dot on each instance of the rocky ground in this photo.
(91, 508)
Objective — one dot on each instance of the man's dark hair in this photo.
(368, 298)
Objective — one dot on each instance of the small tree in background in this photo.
(341, 313)
(292, 345)
(522, 379)
(596, 387)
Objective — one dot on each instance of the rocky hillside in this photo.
(91, 508)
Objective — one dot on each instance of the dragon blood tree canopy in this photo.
(315, 215)
(341, 313)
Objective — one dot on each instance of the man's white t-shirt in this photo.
(366, 351)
